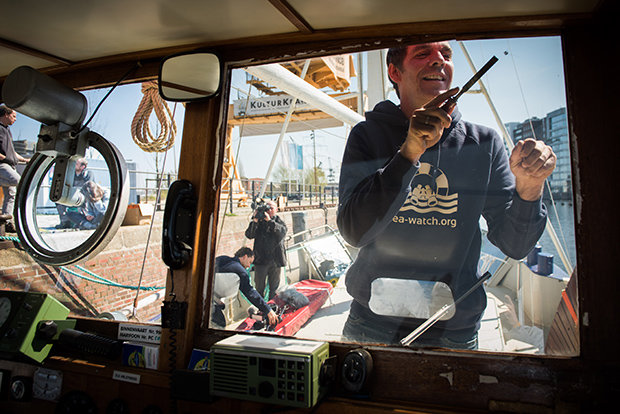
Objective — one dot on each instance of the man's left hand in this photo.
(531, 162)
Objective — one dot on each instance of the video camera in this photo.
(260, 207)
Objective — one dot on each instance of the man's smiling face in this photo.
(426, 72)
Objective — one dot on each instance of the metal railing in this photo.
(287, 193)
(151, 186)
(146, 192)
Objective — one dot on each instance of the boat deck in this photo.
(326, 324)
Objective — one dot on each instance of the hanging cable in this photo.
(103, 281)
(134, 68)
(140, 129)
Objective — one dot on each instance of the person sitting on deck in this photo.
(90, 213)
(80, 177)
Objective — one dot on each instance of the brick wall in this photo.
(86, 298)
(121, 262)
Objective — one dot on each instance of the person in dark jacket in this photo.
(415, 180)
(80, 177)
(238, 264)
(268, 233)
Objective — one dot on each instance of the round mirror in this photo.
(59, 234)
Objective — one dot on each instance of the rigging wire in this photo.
(527, 112)
(285, 125)
(510, 144)
(157, 200)
(228, 199)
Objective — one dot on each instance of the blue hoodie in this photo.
(227, 264)
(421, 221)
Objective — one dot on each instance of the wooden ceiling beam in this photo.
(278, 48)
(291, 14)
(34, 52)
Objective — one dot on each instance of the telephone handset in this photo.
(179, 224)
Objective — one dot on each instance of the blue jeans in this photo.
(359, 329)
(9, 178)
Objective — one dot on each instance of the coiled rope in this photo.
(140, 129)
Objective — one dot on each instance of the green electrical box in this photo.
(20, 314)
(271, 370)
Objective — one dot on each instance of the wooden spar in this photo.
(321, 72)
(230, 174)
(285, 80)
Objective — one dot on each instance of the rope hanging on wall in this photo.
(140, 130)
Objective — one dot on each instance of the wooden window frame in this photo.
(475, 380)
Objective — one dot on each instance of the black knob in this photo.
(47, 330)
(356, 370)
(265, 389)
(21, 388)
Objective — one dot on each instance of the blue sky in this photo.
(113, 121)
(527, 81)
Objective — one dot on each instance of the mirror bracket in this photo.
(62, 140)
(66, 146)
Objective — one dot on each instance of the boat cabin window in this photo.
(286, 132)
(121, 276)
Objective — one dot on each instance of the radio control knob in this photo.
(265, 389)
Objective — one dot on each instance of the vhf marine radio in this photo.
(31, 322)
(20, 315)
(271, 370)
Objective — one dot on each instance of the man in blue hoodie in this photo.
(415, 180)
(238, 264)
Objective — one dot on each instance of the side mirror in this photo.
(190, 76)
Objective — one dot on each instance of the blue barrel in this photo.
(532, 257)
(545, 264)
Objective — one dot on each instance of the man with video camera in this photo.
(268, 231)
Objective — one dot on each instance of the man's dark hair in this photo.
(5, 110)
(244, 251)
(396, 56)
